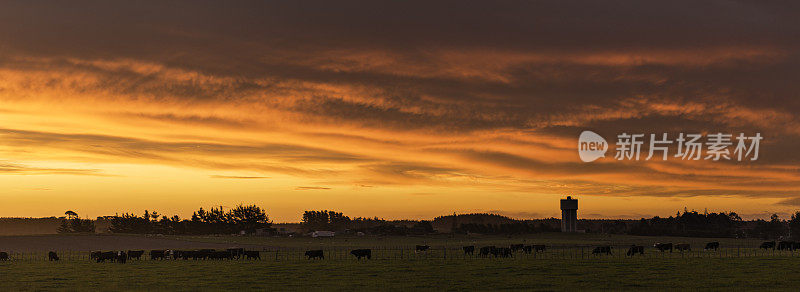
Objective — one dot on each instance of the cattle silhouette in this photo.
(314, 254)
(712, 245)
(94, 255)
(135, 254)
(236, 253)
(486, 250)
(662, 247)
(506, 252)
(469, 250)
(251, 254)
(105, 256)
(52, 256)
(157, 254)
(634, 249)
(122, 257)
(362, 253)
(602, 250)
(787, 245)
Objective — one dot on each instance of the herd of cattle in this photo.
(202, 254)
(681, 247)
(662, 247)
(486, 251)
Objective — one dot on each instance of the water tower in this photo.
(569, 215)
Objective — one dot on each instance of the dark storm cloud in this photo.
(743, 53)
(439, 68)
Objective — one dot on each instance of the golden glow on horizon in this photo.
(100, 156)
(252, 106)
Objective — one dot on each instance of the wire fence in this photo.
(555, 252)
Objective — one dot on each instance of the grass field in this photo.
(566, 266)
(447, 240)
(490, 274)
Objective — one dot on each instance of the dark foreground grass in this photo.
(754, 273)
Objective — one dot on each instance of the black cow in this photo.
(486, 250)
(205, 254)
(527, 249)
(252, 254)
(516, 247)
(193, 254)
(786, 245)
(157, 254)
(421, 248)
(313, 254)
(539, 247)
(197, 254)
(469, 250)
(135, 254)
(52, 256)
(602, 249)
(767, 245)
(94, 255)
(103, 256)
(634, 249)
(122, 257)
(220, 255)
(502, 252)
(683, 247)
(361, 253)
(663, 247)
(3, 256)
(712, 245)
(236, 253)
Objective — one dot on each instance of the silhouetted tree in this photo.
(248, 218)
(774, 228)
(325, 220)
(215, 221)
(691, 224)
(794, 226)
(75, 224)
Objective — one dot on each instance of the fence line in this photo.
(559, 252)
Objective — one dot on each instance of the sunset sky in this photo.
(406, 109)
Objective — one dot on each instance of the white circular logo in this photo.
(591, 146)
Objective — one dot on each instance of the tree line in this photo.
(338, 222)
(250, 218)
(694, 224)
(239, 219)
